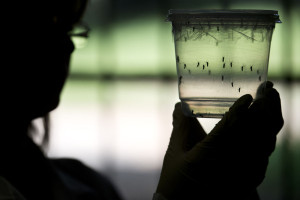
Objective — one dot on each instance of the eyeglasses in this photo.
(80, 30)
(79, 34)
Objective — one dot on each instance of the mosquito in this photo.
(180, 79)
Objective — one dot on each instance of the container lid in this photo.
(223, 15)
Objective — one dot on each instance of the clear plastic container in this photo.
(220, 56)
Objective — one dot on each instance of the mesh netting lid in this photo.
(224, 15)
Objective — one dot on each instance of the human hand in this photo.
(229, 162)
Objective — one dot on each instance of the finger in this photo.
(241, 104)
(262, 88)
(267, 116)
(268, 110)
(224, 132)
(274, 105)
(236, 113)
(187, 131)
(269, 84)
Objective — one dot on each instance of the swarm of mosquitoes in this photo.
(206, 65)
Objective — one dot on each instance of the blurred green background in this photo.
(132, 38)
(116, 108)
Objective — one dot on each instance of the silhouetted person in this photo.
(230, 162)
(37, 66)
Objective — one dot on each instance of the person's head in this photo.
(41, 49)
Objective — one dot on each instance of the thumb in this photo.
(187, 131)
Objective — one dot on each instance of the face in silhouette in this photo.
(43, 67)
(40, 51)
